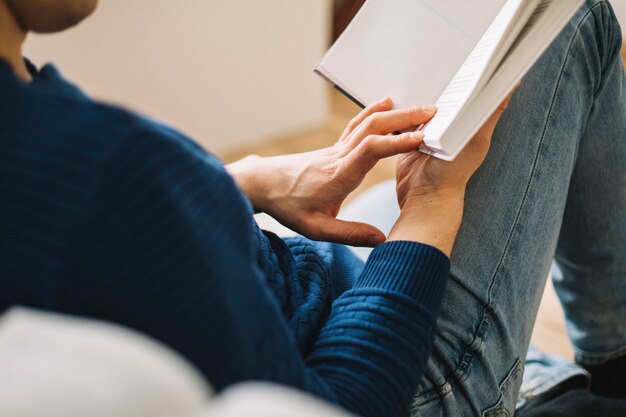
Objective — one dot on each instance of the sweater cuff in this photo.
(413, 269)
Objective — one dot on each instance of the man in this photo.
(109, 215)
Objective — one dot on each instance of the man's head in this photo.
(45, 16)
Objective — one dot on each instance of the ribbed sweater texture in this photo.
(109, 215)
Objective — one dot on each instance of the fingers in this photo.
(383, 123)
(329, 229)
(376, 147)
(383, 105)
(360, 160)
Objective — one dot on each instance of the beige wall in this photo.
(226, 72)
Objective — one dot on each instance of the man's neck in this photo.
(12, 37)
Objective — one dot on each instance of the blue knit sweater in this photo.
(106, 214)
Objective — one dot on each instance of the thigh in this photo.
(514, 210)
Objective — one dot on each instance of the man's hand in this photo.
(305, 191)
(431, 192)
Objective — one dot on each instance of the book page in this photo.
(466, 82)
(536, 16)
(537, 36)
(408, 50)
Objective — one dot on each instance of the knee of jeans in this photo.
(600, 23)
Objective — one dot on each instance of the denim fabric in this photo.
(543, 372)
(553, 187)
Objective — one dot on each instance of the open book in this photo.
(464, 56)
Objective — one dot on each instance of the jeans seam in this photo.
(466, 358)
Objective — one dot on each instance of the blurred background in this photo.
(228, 73)
(235, 75)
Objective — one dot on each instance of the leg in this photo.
(591, 252)
(514, 210)
(564, 134)
(543, 373)
(555, 387)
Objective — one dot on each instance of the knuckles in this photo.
(370, 124)
(366, 148)
(353, 124)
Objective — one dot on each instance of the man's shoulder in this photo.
(71, 146)
(36, 122)
(77, 129)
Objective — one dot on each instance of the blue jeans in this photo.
(553, 187)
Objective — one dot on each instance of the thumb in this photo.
(347, 233)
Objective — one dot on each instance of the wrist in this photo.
(248, 175)
(431, 218)
(430, 194)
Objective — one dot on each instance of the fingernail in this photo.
(384, 101)
(417, 135)
(432, 109)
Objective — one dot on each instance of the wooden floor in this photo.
(549, 333)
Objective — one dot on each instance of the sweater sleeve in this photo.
(373, 349)
(170, 250)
